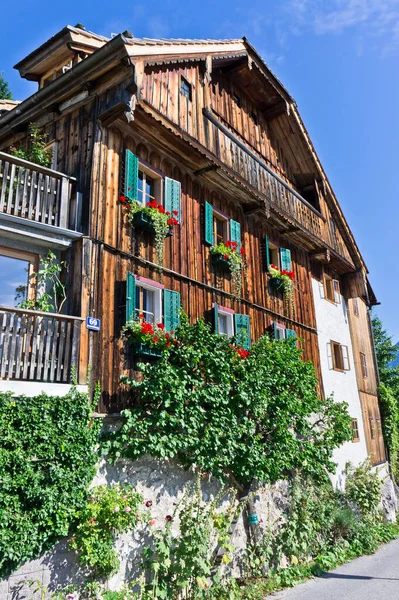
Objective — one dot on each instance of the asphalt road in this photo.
(373, 577)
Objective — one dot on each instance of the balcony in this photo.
(36, 199)
(230, 150)
(38, 346)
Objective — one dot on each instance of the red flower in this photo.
(242, 251)
(122, 198)
(141, 316)
(152, 204)
(148, 503)
(226, 256)
(242, 353)
(167, 213)
(156, 339)
(172, 221)
(167, 336)
(175, 212)
(152, 522)
(160, 326)
(147, 328)
(168, 518)
(228, 244)
(274, 267)
(168, 344)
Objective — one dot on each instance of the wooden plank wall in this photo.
(273, 143)
(188, 269)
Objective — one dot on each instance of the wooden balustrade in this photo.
(35, 193)
(38, 346)
(247, 164)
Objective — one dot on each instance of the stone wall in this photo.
(164, 483)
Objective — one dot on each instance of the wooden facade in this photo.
(233, 139)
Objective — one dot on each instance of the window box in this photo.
(144, 350)
(143, 221)
(277, 284)
(221, 262)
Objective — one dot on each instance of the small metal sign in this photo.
(253, 519)
(93, 324)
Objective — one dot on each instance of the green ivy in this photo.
(390, 426)
(47, 461)
(239, 419)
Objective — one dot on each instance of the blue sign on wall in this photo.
(93, 324)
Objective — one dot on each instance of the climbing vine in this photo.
(47, 461)
(238, 418)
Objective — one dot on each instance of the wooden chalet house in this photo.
(206, 130)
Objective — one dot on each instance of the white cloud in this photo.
(371, 18)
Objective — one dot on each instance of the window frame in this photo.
(274, 250)
(158, 184)
(157, 289)
(186, 88)
(33, 260)
(355, 430)
(277, 327)
(218, 215)
(363, 364)
(344, 356)
(229, 314)
(332, 289)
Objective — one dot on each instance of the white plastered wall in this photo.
(332, 324)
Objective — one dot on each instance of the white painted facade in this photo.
(333, 325)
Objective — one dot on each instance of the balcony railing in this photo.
(36, 193)
(38, 346)
(250, 167)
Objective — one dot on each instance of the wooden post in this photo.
(64, 203)
(75, 350)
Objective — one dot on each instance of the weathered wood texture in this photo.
(271, 142)
(35, 193)
(38, 346)
(372, 428)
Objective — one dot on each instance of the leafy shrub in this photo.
(363, 487)
(237, 418)
(47, 461)
(109, 511)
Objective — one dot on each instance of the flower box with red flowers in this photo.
(281, 281)
(143, 221)
(147, 339)
(229, 257)
(221, 261)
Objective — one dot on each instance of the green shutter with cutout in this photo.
(130, 296)
(216, 317)
(173, 197)
(208, 223)
(171, 310)
(243, 330)
(285, 256)
(235, 232)
(290, 333)
(131, 175)
(267, 253)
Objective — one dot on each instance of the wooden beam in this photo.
(206, 170)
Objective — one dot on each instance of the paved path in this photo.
(373, 577)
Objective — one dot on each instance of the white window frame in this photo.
(219, 216)
(158, 179)
(158, 313)
(344, 359)
(280, 329)
(229, 322)
(274, 254)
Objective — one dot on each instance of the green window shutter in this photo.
(290, 333)
(130, 296)
(131, 175)
(216, 317)
(243, 330)
(171, 310)
(285, 256)
(235, 232)
(267, 254)
(208, 223)
(275, 336)
(173, 197)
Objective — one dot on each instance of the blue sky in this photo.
(338, 59)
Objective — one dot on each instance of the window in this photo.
(364, 365)
(149, 185)
(355, 431)
(355, 307)
(225, 323)
(220, 228)
(338, 356)
(237, 100)
(148, 302)
(274, 254)
(372, 425)
(280, 332)
(332, 290)
(16, 276)
(185, 88)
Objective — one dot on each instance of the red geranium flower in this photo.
(226, 256)
(175, 212)
(122, 198)
(242, 251)
(160, 326)
(141, 316)
(168, 344)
